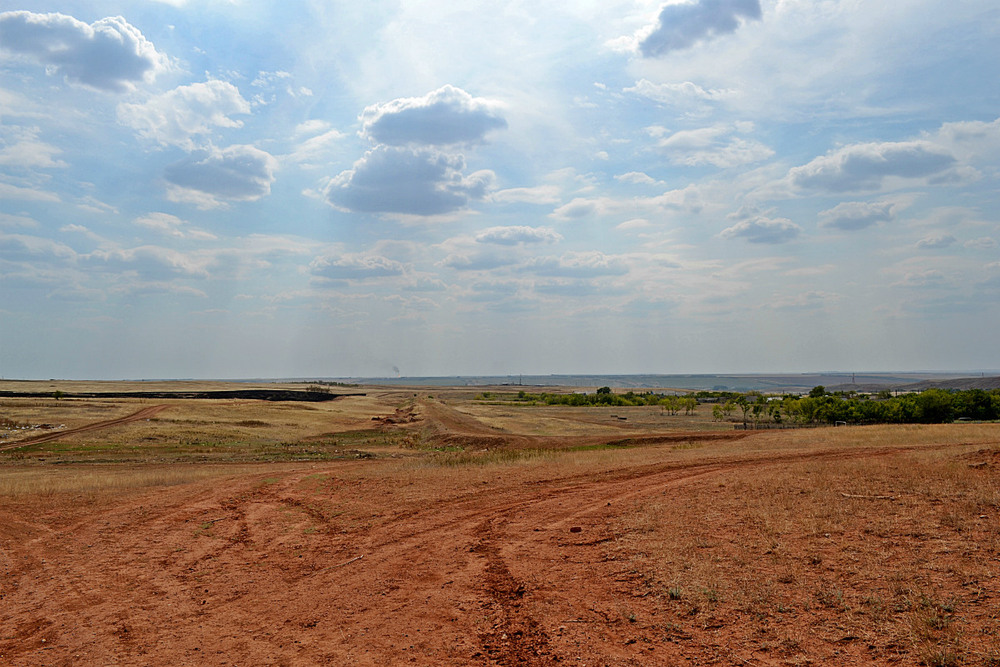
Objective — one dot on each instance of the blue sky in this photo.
(242, 189)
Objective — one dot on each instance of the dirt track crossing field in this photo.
(365, 563)
(145, 413)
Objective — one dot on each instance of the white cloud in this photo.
(633, 224)
(761, 229)
(589, 264)
(936, 242)
(687, 200)
(150, 262)
(11, 220)
(314, 150)
(8, 191)
(637, 177)
(110, 54)
(682, 25)
(19, 247)
(355, 267)
(186, 115)
(443, 117)
(929, 278)
(969, 140)
(866, 166)
(855, 215)
(171, 225)
(539, 194)
(236, 173)
(19, 147)
(812, 300)
(677, 94)
(481, 260)
(518, 234)
(407, 181)
(984, 243)
(716, 145)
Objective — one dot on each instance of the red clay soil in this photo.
(265, 571)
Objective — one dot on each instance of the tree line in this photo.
(931, 406)
(603, 397)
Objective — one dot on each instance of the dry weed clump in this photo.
(871, 559)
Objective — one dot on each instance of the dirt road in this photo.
(145, 413)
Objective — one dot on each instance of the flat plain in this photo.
(424, 525)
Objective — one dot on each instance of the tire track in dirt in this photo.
(145, 413)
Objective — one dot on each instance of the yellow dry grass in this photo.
(898, 554)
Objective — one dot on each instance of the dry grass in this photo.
(885, 558)
(88, 480)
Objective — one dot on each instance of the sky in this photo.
(235, 189)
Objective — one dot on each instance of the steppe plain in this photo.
(419, 525)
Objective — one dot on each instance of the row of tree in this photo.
(603, 396)
(932, 406)
(819, 407)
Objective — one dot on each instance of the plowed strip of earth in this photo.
(145, 413)
(353, 563)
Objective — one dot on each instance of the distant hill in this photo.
(957, 384)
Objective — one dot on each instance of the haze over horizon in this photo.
(235, 189)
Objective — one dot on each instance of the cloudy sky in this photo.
(213, 188)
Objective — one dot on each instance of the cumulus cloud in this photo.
(687, 199)
(682, 25)
(149, 262)
(674, 94)
(717, 145)
(236, 173)
(171, 225)
(855, 215)
(8, 191)
(936, 242)
(866, 166)
(409, 181)
(637, 177)
(443, 117)
(20, 247)
(579, 265)
(482, 260)
(761, 229)
(355, 267)
(970, 140)
(109, 54)
(185, 115)
(983, 243)
(812, 300)
(518, 234)
(10, 220)
(314, 150)
(930, 278)
(539, 194)
(20, 147)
